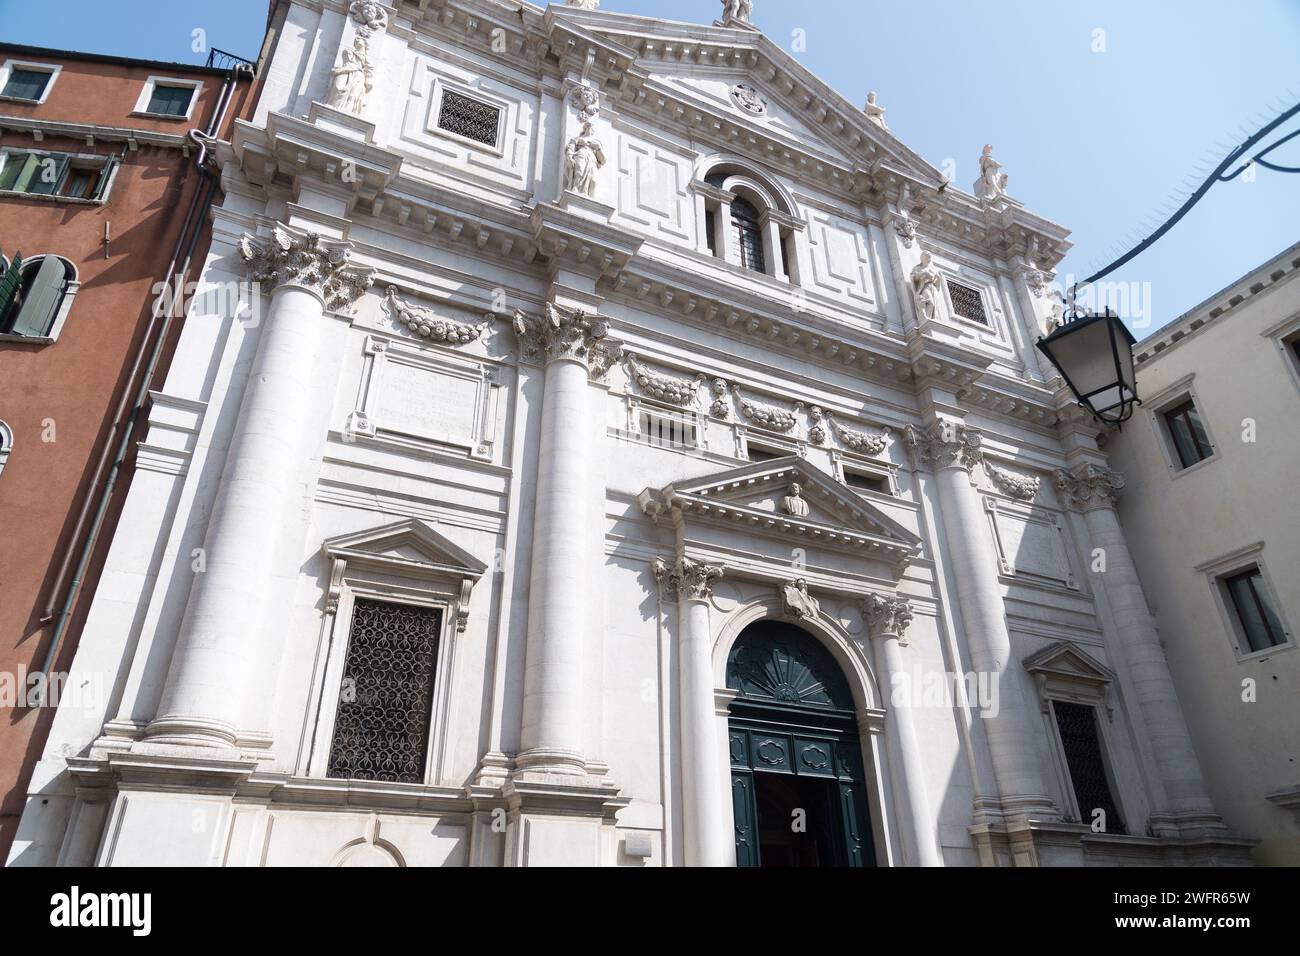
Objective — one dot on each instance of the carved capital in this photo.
(566, 335)
(295, 257)
(686, 579)
(1090, 486)
(887, 617)
(945, 444)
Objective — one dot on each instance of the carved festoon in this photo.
(887, 617)
(686, 579)
(427, 325)
(1023, 487)
(1090, 486)
(864, 443)
(566, 334)
(295, 257)
(767, 416)
(666, 388)
(797, 602)
(944, 444)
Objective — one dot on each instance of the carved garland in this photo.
(427, 325)
(1023, 487)
(862, 442)
(767, 416)
(666, 388)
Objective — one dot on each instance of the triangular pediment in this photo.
(760, 498)
(1066, 660)
(410, 546)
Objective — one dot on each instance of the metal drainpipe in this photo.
(192, 227)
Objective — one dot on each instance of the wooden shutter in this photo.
(105, 177)
(36, 314)
(10, 282)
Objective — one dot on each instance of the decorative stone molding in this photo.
(944, 444)
(767, 416)
(905, 226)
(817, 425)
(429, 326)
(295, 257)
(748, 99)
(675, 391)
(1037, 279)
(686, 579)
(1023, 487)
(797, 602)
(887, 617)
(1090, 486)
(370, 17)
(586, 100)
(566, 334)
(861, 442)
(720, 407)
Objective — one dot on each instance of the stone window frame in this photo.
(146, 97)
(1054, 683)
(843, 463)
(689, 416)
(6, 444)
(979, 289)
(440, 87)
(780, 231)
(1285, 336)
(1217, 571)
(355, 573)
(6, 68)
(65, 304)
(1170, 397)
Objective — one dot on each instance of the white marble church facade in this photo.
(580, 345)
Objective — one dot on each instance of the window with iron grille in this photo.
(381, 731)
(967, 302)
(749, 235)
(1260, 624)
(468, 117)
(672, 431)
(1081, 740)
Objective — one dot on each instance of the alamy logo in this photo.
(102, 909)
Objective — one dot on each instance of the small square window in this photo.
(1256, 617)
(170, 100)
(760, 453)
(468, 117)
(1187, 432)
(866, 481)
(26, 84)
(967, 302)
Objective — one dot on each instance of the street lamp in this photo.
(1094, 354)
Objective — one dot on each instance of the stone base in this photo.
(561, 820)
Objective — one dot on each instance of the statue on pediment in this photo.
(875, 112)
(737, 11)
(794, 502)
(583, 156)
(992, 184)
(925, 283)
(352, 79)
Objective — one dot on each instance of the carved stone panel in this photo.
(1031, 544)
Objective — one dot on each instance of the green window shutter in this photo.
(49, 172)
(110, 167)
(9, 284)
(36, 314)
(17, 167)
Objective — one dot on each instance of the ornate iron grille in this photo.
(1078, 726)
(967, 302)
(469, 118)
(744, 219)
(381, 731)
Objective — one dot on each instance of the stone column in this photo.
(568, 342)
(1093, 490)
(703, 813)
(221, 645)
(887, 622)
(952, 449)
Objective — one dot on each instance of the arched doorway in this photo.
(797, 783)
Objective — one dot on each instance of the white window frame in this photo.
(845, 464)
(1217, 571)
(146, 95)
(6, 444)
(687, 418)
(1284, 335)
(102, 158)
(990, 325)
(440, 88)
(65, 304)
(1155, 407)
(53, 69)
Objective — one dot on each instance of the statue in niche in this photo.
(352, 79)
(740, 10)
(794, 503)
(583, 156)
(925, 283)
(875, 112)
(797, 602)
(992, 183)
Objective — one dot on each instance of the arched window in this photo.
(6, 444)
(748, 223)
(35, 296)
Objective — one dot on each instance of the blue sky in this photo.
(1097, 140)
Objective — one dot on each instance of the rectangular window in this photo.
(381, 731)
(1081, 740)
(759, 453)
(468, 117)
(671, 431)
(26, 84)
(967, 302)
(56, 174)
(170, 100)
(1190, 440)
(1259, 622)
(865, 481)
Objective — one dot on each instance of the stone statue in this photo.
(925, 283)
(992, 183)
(797, 602)
(740, 10)
(875, 112)
(583, 4)
(582, 157)
(794, 502)
(352, 79)
(370, 17)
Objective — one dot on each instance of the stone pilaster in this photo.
(887, 623)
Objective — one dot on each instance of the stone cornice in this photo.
(89, 132)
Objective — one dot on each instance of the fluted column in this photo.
(568, 342)
(1093, 490)
(702, 774)
(222, 648)
(887, 623)
(952, 450)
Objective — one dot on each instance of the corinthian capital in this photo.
(685, 579)
(887, 617)
(944, 444)
(570, 334)
(1090, 486)
(295, 257)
